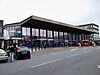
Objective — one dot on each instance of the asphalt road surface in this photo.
(70, 61)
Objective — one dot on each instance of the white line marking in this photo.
(98, 66)
(54, 53)
(72, 49)
(45, 63)
(86, 51)
(74, 55)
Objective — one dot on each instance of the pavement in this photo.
(53, 49)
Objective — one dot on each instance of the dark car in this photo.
(23, 52)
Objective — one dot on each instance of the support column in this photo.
(58, 35)
(63, 36)
(31, 38)
(63, 39)
(39, 33)
(53, 37)
(21, 31)
(52, 34)
(47, 37)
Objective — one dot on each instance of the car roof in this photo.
(2, 51)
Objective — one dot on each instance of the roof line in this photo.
(50, 21)
(59, 23)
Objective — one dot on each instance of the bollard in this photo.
(79, 44)
(94, 44)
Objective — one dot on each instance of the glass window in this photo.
(42, 33)
(23, 31)
(35, 32)
(55, 34)
(23, 49)
(95, 27)
(65, 35)
(70, 36)
(73, 36)
(61, 35)
(49, 33)
(17, 31)
(8, 30)
(28, 31)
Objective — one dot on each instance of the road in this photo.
(69, 61)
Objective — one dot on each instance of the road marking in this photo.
(45, 63)
(72, 49)
(54, 53)
(74, 55)
(98, 66)
(86, 51)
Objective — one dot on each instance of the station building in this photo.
(37, 31)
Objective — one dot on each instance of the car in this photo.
(23, 52)
(84, 42)
(3, 55)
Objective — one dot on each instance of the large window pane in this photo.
(49, 34)
(55, 34)
(61, 35)
(42, 33)
(35, 32)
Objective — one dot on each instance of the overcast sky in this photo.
(73, 12)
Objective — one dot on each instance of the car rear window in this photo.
(85, 41)
(2, 51)
(23, 48)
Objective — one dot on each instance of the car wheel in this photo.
(29, 57)
(6, 60)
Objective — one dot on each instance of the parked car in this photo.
(3, 55)
(84, 42)
(23, 52)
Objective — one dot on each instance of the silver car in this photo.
(3, 55)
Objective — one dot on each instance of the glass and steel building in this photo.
(93, 27)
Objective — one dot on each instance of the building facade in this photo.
(37, 31)
(1, 28)
(92, 27)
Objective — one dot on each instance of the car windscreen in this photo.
(23, 48)
(85, 41)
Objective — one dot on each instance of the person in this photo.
(11, 48)
(45, 44)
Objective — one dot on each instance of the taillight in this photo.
(17, 50)
(1, 54)
(6, 55)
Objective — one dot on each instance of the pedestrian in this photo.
(45, 44)
(11, 48)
